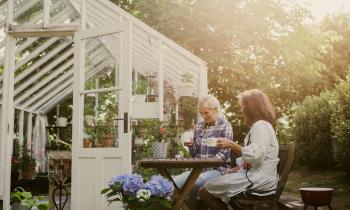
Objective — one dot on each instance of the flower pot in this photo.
(87, 143)
(151, 98)
(108, 141)
(28, 173)
(139, 98)
(185, 90)
(160, 150)
(98, 145)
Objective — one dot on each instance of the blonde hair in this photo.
(209, 101)
(256, 106)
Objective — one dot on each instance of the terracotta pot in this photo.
(28, 173)
(108, 141)
(316, 196)
(87, 143)
(98, 145)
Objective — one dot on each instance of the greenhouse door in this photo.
(101, 103)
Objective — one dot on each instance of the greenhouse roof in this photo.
(44, 65)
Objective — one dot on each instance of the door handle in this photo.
(126, 121)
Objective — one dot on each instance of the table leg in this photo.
(181, 194)
(177, 190)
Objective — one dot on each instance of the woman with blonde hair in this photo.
(213, 125)
(259, 155)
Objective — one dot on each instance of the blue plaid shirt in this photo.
(221, 128)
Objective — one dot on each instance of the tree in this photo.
(248, 44)
(340, 121)
(312, 132)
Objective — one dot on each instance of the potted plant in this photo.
(22, 200)
(131, 190)
(186, 88)
(160, 147)
(27, 163)
(140, 91)
(106, 134)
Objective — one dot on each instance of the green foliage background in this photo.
(273, 46)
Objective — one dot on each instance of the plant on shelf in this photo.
(131, 190)
(26, 200)
(140, 87)
(186, 78)
(139, 90)
(105, 122)
(27, 162)
(186, 88)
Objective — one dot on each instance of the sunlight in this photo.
(319, 9)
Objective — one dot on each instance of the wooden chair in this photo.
(249, 201)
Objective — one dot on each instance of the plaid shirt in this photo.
(221, 128)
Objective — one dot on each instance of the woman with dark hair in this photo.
(259, 155)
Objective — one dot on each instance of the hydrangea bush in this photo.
(131, 190)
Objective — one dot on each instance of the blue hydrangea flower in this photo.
(159, 186)
(132, 183)
(119, 178)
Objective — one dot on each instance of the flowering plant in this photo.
(162, 133)
(131, 190)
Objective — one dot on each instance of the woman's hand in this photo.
(224, 143)
(247, 166)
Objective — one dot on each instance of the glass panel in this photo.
(102, 62)
(100, 123)
(62, 12)
(145, 86)
(28, 12)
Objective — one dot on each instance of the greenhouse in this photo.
(110, 70)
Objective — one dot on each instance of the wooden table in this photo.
(196, 164)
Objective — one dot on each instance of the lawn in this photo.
(337, 180)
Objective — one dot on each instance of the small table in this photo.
(197, 164)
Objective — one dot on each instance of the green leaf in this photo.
(165, 203)
(43, 206)
(105, 190)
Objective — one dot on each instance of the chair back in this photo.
(286, 156)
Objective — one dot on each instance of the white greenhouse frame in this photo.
(49, 78)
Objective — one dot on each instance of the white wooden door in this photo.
(101, 107)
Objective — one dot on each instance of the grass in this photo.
(338, 180)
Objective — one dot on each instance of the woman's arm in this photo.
(229, 144)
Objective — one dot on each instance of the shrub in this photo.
(312, 132)
(340, 124)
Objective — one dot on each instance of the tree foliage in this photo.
(312, 132)
(340, 121)
(247, 44)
